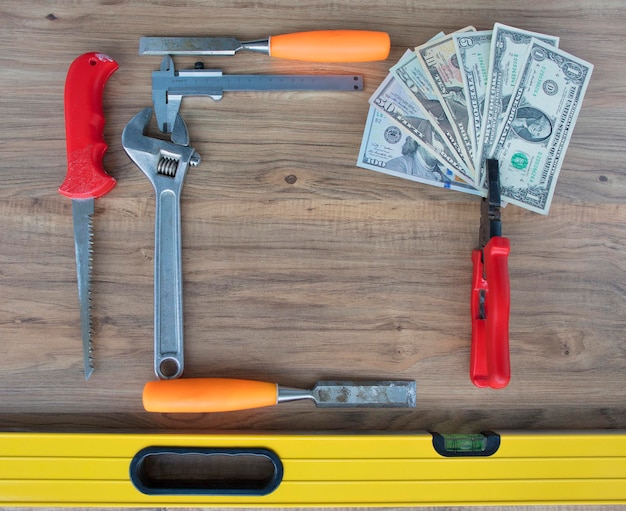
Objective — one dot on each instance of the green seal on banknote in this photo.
(519, 161)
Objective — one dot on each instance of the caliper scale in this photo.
(169, 86)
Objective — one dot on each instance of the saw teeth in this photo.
(90, 242)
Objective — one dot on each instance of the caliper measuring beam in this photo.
(170, 86)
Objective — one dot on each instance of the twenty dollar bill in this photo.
(394, 100)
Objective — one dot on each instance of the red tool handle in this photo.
(489, 358)
(84, 123)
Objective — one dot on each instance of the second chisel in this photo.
(314, 46)
(200, 395)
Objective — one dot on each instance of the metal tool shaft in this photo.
(164, 164)
(213, 46)
(168, 292)
(82, 211)
(355, 394)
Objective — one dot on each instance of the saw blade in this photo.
(82, 212)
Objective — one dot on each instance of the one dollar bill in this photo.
(509, 47)
(538, 124)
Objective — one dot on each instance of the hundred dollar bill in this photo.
(440, 60)
(395, 101)
(390, 148)
(472, 50)
(410, 73)
(538, 125)
(509, 47)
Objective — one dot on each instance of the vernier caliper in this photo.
(170, 86)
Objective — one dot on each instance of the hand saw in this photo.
(86, 179)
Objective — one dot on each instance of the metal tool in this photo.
(170, 86)
(85, 179)
(490, 303)
(315, 46)
(199, 395)
(165, 164)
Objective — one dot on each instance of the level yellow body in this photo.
(402, 469)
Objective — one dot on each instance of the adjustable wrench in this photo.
(165, 164)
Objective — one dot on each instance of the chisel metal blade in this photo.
(355, 394)
(82, 212)
(217, 46)
(370, 394)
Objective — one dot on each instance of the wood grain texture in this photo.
(298, 265)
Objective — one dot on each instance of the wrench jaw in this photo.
(146, 152)
(164, 163)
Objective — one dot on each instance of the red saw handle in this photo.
(84, 123)
(489, 358)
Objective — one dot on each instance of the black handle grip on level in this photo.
(206, 471)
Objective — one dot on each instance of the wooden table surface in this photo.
(299, 266)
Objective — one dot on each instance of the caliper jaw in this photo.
(169, 86)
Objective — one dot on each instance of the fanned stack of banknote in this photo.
(461, 98)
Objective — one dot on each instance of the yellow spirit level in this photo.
(313, 469)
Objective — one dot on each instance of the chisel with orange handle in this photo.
(200, 395)
(314, 46)
(490, 303)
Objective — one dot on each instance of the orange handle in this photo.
(331, 46)
(200, 395)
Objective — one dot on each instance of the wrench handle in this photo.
(168, 292)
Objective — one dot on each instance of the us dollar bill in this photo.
(394, 100)
(509, 47)
(538, 124)
(439, 59)
(411, 74)
(389, 147)
(472, 50)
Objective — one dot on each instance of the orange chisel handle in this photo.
(331, 46)
(489, 357)
(200, 395)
